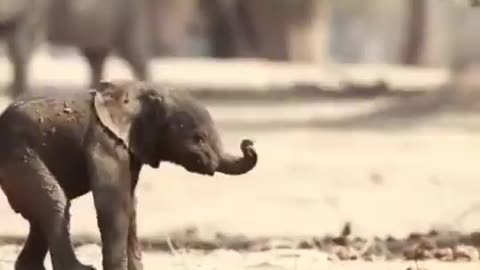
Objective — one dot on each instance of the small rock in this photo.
(444, 254)
(318, 242)
(374, 258)
(345, 253)
(273, 244)
(340, 240)
(464, 252)
(418, 253)
(416, 268)
(306, 244)
(376, 178)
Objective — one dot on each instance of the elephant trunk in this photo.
(234, 165)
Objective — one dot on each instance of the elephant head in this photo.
(160, 124)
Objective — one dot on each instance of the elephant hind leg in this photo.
(137, 59)
(133, 47)
(96, 61)
(41, 200)
(22, 41)
(34, 250)
(20, 47)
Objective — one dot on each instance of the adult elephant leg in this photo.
(308, 32)
(42, 201)
(133, 46)
(270, 27)
(23, 38)
(134, 249)
(34, 250)
(137, 58)
(136, 55)
(20, 44)
(96, 61)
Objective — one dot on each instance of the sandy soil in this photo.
(231, 260)
(389, 169)
(71, 68)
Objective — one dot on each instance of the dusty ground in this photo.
(389, 167)
(278, 260)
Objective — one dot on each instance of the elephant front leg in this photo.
(134, 247)
(110, 183)
(113, 217)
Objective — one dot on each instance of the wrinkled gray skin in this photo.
(53, 150)
(96, 28)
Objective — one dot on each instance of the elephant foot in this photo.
(84, 267)
(29, 266)
(14, 91)
(78, 266)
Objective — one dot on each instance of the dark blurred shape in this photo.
(275, 29)
(230, 31)
(96, 28)
(271, 29)
(415, 32)
(346, 230)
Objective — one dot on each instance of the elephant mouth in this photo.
(197, 167)
(204, 171)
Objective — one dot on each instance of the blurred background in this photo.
(363, 111)
(415, 32)
(430, 33)
(436, 36)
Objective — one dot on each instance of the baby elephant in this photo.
(55, 149)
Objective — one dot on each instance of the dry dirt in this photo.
(388, 167)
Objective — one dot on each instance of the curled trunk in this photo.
(234, 165)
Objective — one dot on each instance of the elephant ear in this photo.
(116, 108)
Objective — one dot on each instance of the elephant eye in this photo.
(199, 138)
